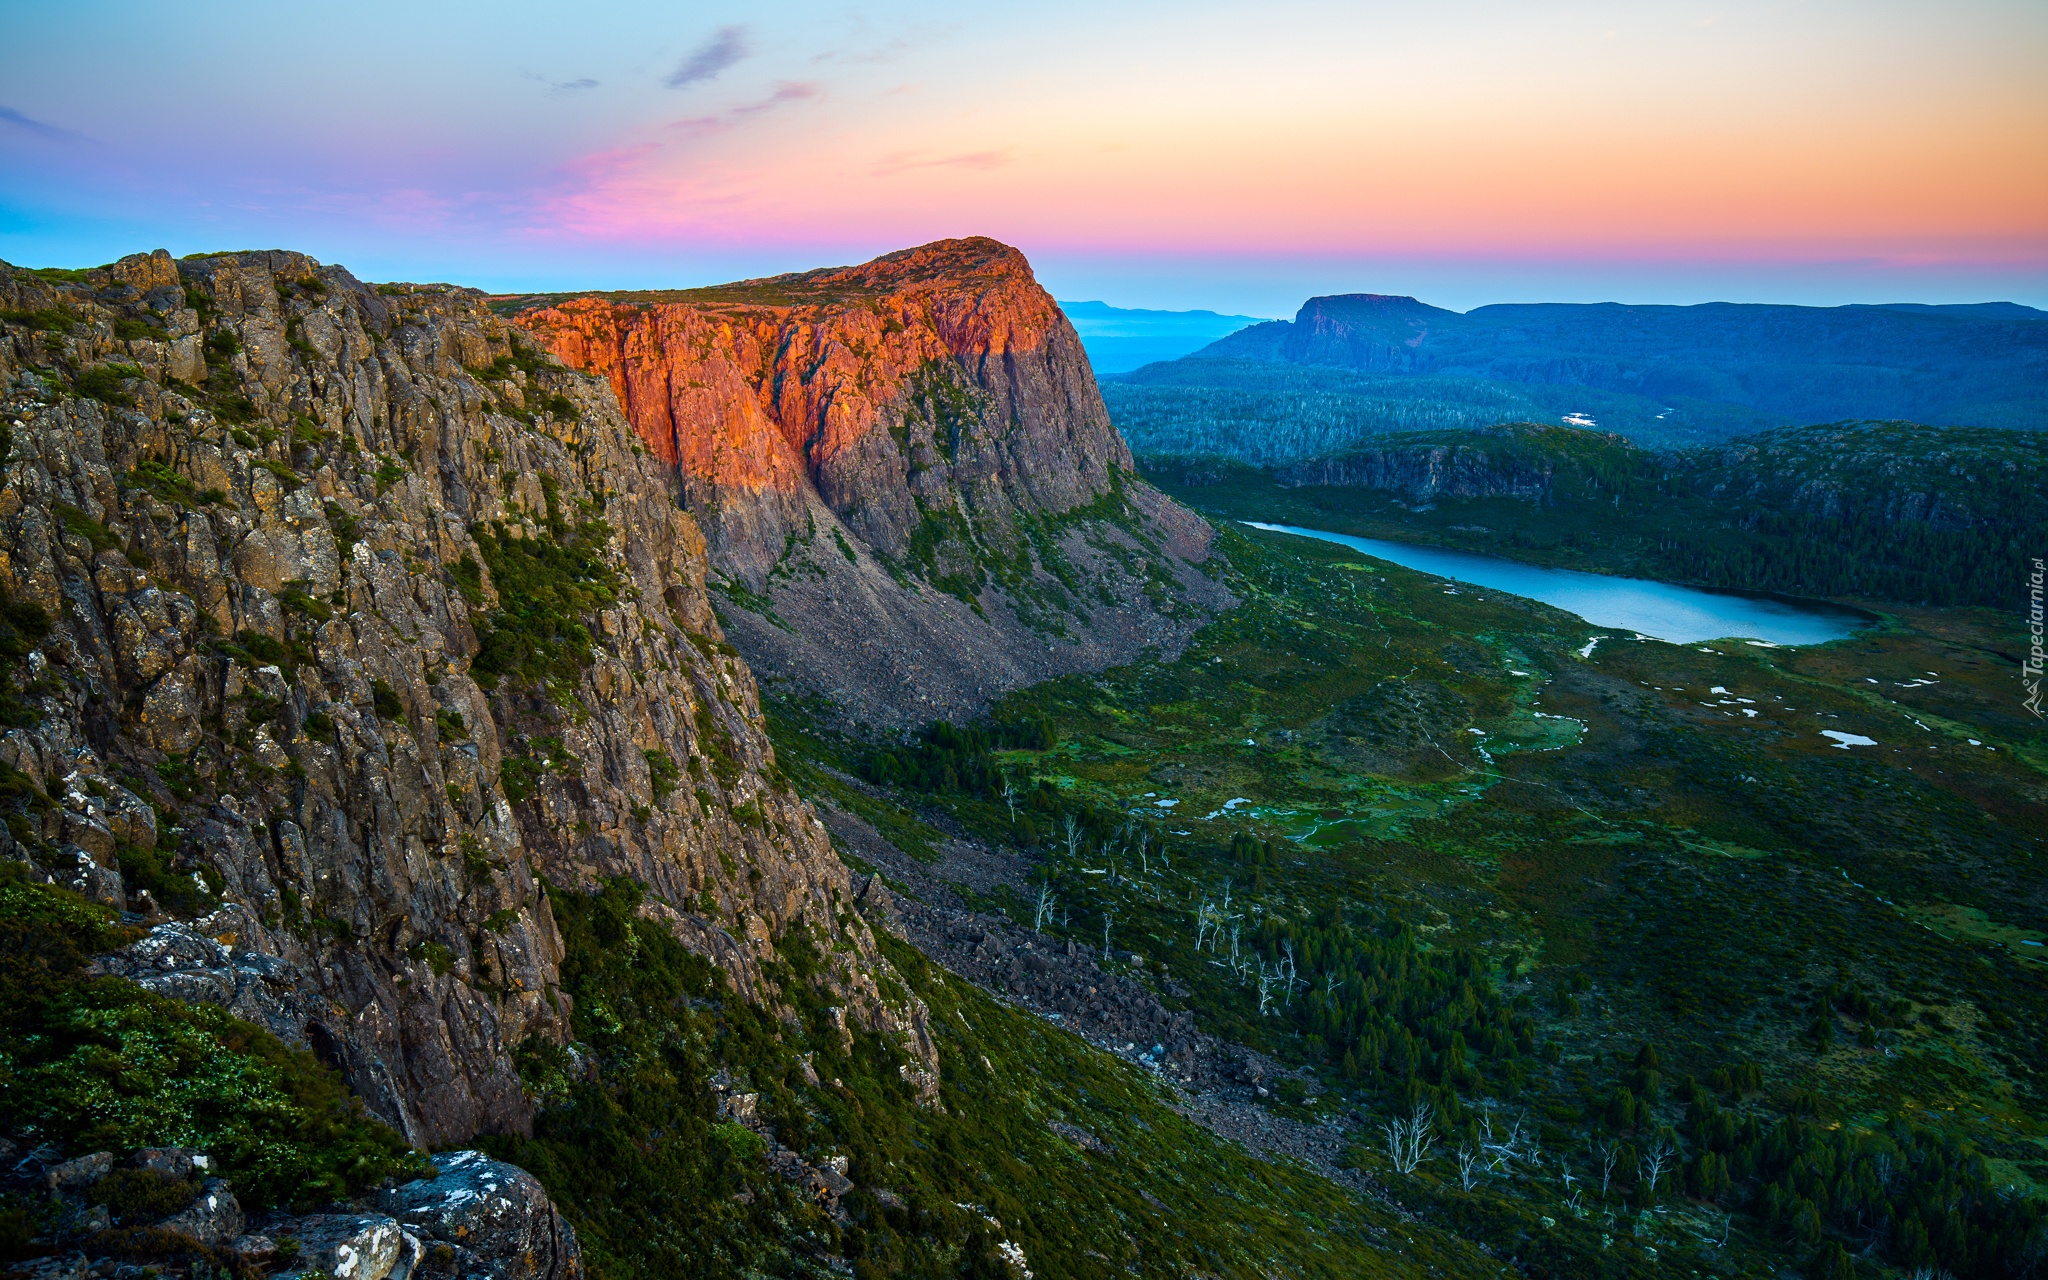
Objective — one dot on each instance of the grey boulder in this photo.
(351, 1246)
(214, 1219)
(80, 1173)
(496, 1213)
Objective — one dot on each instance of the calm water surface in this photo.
(1682, 615)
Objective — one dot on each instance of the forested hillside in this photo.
(1886, 510)
(1271, 414)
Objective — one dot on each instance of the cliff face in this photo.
(368, 622)
(1514, 460)
(1884, 473)
(1423, 472)
(905, 475)
(1370, 331)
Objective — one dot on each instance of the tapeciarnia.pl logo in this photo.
(2030, 671)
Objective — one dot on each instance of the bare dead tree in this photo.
(1409, 1138)
(1469, 1158)
(1608, 1151)
(1010, 796)
(1045, 906)
(1652, 1165)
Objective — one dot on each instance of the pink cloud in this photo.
(598, 165)
(901, 161)
(787, 92)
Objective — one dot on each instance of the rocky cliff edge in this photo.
(370, 625)
(913, 497)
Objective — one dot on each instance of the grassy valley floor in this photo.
(1674, 983)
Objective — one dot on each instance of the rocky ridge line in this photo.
(253, 493)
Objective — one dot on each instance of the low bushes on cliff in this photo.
(98, 1063)
(545, 588)
(657, 1182)
(22, 627)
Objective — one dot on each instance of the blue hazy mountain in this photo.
(1119, 339)
(1977, 365)
(1357, 365)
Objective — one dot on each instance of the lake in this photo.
(1682, 615)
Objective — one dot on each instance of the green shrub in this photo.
(76, 521)
(136, 1196)
(51, 319)
(662, 773)
(156, 478)
(149, 869)
(739, 1141)
(100, 1064)
(545, 589)
(130, 330)
(286, 477)
(469, 579)
(23, 625)
(384, 700)
(264, 649)
(104, 384)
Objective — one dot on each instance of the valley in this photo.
(1361, 766)
(771, 771)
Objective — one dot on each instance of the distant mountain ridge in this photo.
(1977, 364)
(1119, 339)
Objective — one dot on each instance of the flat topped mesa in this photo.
(898, 452)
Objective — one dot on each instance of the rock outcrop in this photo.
(908, 482)
(472, 1216)
(1514, 460)
(1372, 332)
(496, 1215)
(1878, 473)
(369, 625)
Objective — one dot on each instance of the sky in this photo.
(1192, 154)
